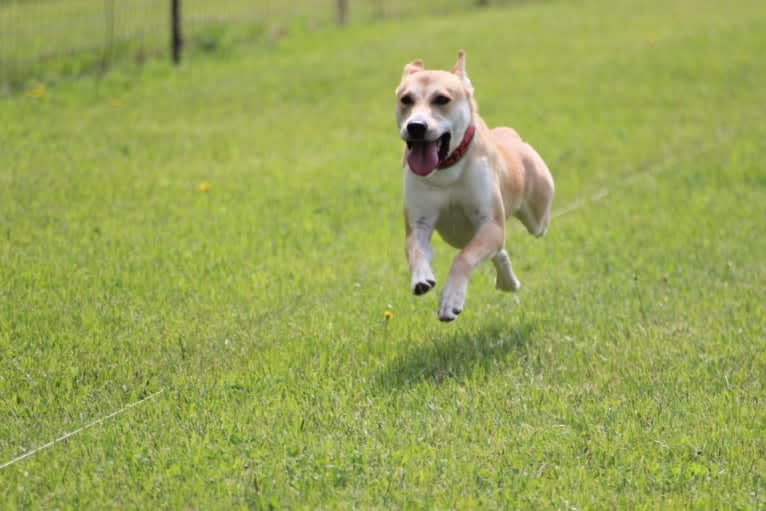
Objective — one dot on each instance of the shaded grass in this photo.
(628, 372)
(455, 357)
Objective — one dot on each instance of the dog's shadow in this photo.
(438, 359)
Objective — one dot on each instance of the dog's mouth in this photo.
(424, 156)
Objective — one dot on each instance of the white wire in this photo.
(656, 169)
(663, 166)
(81, 429)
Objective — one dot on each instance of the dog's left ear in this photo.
(413, 67)
(459, 70)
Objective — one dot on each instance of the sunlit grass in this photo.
(230, 231)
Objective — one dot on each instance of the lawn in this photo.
(202, 275)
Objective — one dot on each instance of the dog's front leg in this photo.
(487, 242)
(418, 250)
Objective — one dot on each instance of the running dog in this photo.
(463, 180)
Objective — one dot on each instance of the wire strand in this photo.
(81, 429)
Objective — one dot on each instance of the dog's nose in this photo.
(416, 130)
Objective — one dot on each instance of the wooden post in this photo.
(342, 12)
(176, 41)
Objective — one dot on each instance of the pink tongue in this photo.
(423, 157)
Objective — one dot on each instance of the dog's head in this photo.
(434, 110)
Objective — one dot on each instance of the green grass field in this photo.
(229, 348)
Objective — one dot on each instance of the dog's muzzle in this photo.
(423, 156)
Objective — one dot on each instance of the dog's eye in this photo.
(441, 100)
(406, 100)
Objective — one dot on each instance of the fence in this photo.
(38, 37)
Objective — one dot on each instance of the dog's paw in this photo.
(451, 302)
(422, 281)
(507, 282)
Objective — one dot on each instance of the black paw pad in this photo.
(422, 288)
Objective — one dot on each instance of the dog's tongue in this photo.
(423, 157)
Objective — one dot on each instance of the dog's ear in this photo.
(413, 67)
(459, 70)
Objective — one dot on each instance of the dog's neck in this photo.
(460, 150)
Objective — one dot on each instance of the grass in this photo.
(47, 39)
(627, 373)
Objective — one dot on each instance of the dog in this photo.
(463, 180)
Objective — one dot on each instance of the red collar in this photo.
(460, 150)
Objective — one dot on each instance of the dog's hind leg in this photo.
(535, 214)
(506, 280)
(536, 222)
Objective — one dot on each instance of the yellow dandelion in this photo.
(204, 186)
(116, 103)
(388, 315)
(39, 91)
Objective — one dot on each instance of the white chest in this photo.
(457, 203)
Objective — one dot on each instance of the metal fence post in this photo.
(176, 41)
(342, 11)
(109, 33)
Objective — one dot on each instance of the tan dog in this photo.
(463, 179)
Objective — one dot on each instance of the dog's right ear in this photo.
(413, 67)
(459, 70)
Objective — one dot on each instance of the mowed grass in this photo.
(627, 373)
